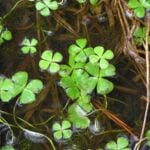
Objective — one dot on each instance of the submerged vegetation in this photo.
(74, 74)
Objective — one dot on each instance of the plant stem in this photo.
(12, 9)
(147, 83)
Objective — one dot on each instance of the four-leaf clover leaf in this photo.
(45, 6)
(29, 46)
(49, 61)
(101, 56)
(70, 87)
(62, 131)
(79, 50)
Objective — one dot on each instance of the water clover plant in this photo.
(28, 94)
(121, 144)
(6, 88)
(70, 87)
(139, 7)
(29, 46)
(101, 57)
(79, 50)
(78, 116)
(5, 34)
(84, 64)
(10, 88)
(140, 34)
(45, 6)
(62, 131)
(103, 85)
(49, 61)
(17, 85)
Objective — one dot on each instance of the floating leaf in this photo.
(20, 80)
(122, 143)
(77, 116)
(29, 46)
(46, 6)
(104, 86)
(81, 42)
(134, 4)
(6, 90)
(62, 131)
(28, 94)
(49, 61)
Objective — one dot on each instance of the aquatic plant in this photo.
(62, 131)
(49, 61)
(10, 88)
(139, 7)
(5, 34)
(78, 116)
(121, 144)
(28, 46)
(46, 6)
(140, 35)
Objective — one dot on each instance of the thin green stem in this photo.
(12, 9)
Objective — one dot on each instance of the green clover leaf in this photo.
(62, 131)
(145, 3)
(66, 70)
(140, 34)
(79, 51)
(29, 46)
(10, 88)
(147, 134)
(103, 86)
(101, 57)
(93, 2)
(78, 116)
(45, 6)
(49, 61)
(5, 34)
(20, 80)
(28, 93)
(138, 7)
(84, 102)
(122, 144)
(6, 89)
(70, 87)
